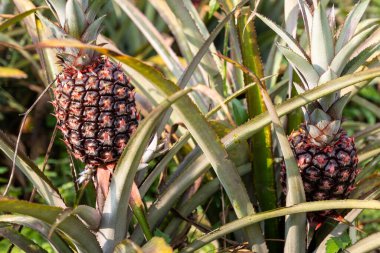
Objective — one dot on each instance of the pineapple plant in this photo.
(326, 156)
(94, 100)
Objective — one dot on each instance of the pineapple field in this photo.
(189, 126)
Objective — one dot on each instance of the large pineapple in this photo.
(326, 156)
(93, 100)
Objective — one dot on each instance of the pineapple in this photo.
(94, 101)
(326, 156)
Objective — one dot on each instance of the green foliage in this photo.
(337, 244)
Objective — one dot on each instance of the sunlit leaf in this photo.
(6, 72)
(299, 208)
(72, 227)
(18, 18)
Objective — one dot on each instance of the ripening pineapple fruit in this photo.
(326, 156)
(93, 100)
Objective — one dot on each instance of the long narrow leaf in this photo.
(343, 56)
(20, 240)
(350, 24)
(322, 43)
(292, 43)
(153, 36)
(196, 34)
(300, 63)
(71, 226)
(18, 18)
(360, 59)
(299, 208)
(55, 240)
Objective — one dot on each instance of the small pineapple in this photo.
(94, 101)
(326, 156)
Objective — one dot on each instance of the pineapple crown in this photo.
(76, 20)
(332, 54)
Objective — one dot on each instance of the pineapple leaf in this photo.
(368, 245)
(292, 43)
(327, 76)
(319, 115)
(154, 37)
(336, 109)
(331, 19)
(75, 22)
(84, 4)
(71, 227)
(350, 24)
(367, 23)
(291, 10)
(306, 16)
(21, 241)
(333, 128)
(157, 244)
(302, 65)
(343, 57)
(56, 31)
(55, 240)
(322, 44)
(59, 9)
(360, 59)
(92, 30)
(196, 34)
(299, 88)
(94, 9)
(127, 246)
(328, 100)
(4, 25)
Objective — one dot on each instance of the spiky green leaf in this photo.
(322, 43)
(72, 227)
(75, 20)
(350, 24)
(18, 18)
(343, 56)
(360, 59)
(335, 111)
(56, 31)
(292, 43)
(327, 101)
(59, 9)
(58, 244)
(302, 65)
(93, 30)
(299, 208)
(21, 241)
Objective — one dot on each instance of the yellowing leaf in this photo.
(12, 73)
(157, 245)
